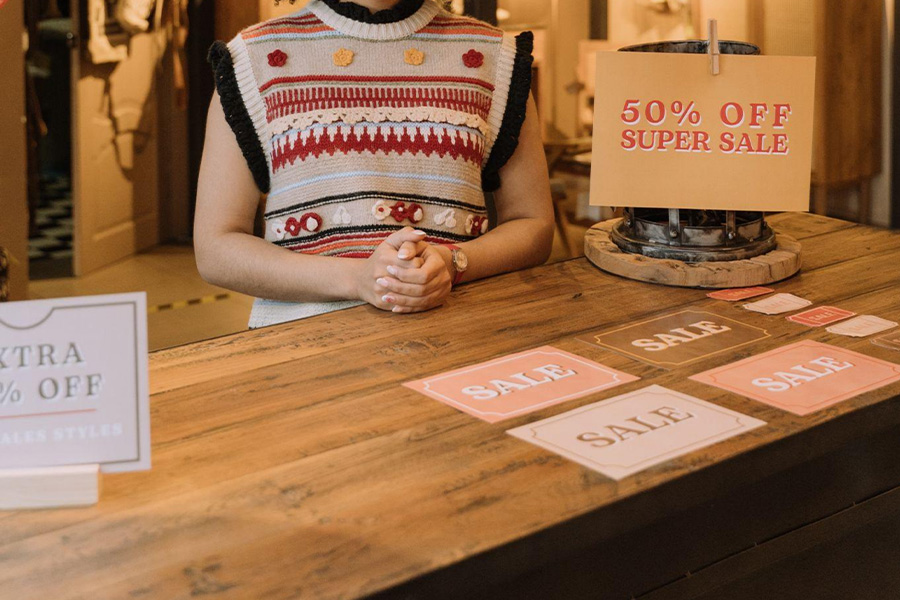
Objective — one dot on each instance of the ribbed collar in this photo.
(402, 10)
(404, 19)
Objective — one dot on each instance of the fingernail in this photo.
(403, 254)
(387, 298)
(396, 309)
(419, 232)
(392, 270)
(382, 282)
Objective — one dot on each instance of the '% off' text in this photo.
(686, 136)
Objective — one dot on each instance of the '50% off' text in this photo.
(677, 126)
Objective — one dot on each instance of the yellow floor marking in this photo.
(185, 303)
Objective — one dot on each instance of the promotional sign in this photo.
(677, 339)
(669, 134)
(632, 432)
(777, 304)
(803, 377)
(73, 383)
(735, 294)
(862, 326)
(820, 315)
(520, 383)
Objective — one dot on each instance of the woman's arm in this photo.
(522, 238)
(229, 255)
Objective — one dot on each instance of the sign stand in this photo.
(49, 487)
(72, 402)
(694, 248)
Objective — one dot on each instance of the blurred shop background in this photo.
(103, 104)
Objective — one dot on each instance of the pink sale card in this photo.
(735, 294)
(821, 315)
(803, 377)
(519, 383)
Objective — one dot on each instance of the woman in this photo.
(374, 127)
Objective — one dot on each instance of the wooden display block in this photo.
(780, 263)
(49, 487)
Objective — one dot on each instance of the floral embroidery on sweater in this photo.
(343, 57)
(277, 58)
(413, 57)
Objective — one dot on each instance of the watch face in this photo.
(461, 260)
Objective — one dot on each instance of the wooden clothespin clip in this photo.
(714, 47)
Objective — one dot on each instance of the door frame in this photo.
(13, 150)
(895, 126)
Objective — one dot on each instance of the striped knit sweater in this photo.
(356, 124)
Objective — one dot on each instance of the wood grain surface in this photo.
(288, 462)
(778, 264)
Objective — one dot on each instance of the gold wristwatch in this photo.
(460, 262)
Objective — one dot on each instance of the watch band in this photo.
(457, 274)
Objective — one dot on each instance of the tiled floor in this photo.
(182, 307)
(50, 249)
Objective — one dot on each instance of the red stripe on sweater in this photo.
(281, 103)
(374, 238)
(293, 29)
(469, 148)
(375, 79)
(329, 239)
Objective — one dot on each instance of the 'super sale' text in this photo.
(682, 133)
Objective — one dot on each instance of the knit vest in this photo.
(356, 124)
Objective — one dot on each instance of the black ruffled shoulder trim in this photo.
(236, 114)
(514, 115)
(402, 10)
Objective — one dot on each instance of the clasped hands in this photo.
(405, 274)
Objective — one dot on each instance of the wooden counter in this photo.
(288, 461)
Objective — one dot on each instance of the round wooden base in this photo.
(780, 263)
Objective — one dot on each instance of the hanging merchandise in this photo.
(134, 15)
(108, 41)
(112, 22)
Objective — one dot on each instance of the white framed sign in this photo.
(74, 384)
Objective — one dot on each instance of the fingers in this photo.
(415, 263)
(407, 304)
(409, 250)
(389, 284)
(416, 276)
(432, 267)
(407, 234)
(411, 297)
(407, 309)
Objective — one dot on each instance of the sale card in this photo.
(803, 377)
(668, 134)
(777, 304)
(73, 383)
(635, 431)
(735, 294)
(677, 339)
(820, 315)
(862, 326)
(520, 383)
